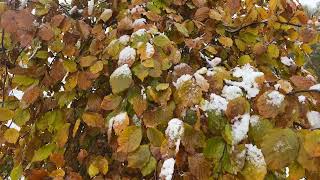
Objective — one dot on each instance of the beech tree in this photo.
(158, 89)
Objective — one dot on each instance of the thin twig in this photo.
(6, 69)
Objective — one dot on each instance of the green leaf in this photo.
(129, 140)
(214, 148)
(161, 40)
(140, 157)
(6, 114)
(259, 129)
(273, 51)
(42, 54)
(16, 172)
(21, 116)
(11, 135)
(121, 79)
(216, 122)
(52, 120)
(149, 167)
(183, 30)
(70, 66)
(22, 80)
(280, 147)
(155, 136)
(245, 59)
(43, 153)
(140, 71)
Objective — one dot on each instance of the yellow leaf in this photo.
(75, 128)
(214, 14)
(6, 114)
(226, 41)
(87, 61)
(93, 119)
(96, 67)
(11, 135)
(129, 140)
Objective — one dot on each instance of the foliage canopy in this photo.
(169, 89)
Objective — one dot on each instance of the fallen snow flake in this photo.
(202, 82)
(302, 99)
(120, 118)
(240, 128)
(123, 70)
(231, 92)
(181, 80)
(314, 119)
(149, 50)
(167, 169)
(124, 39)
(287, 61)
(248, 83)
(127, 56)
(90, 7)
(216, 103)
(315, 87)
(23, 4)
(139, 22)
(255, 156)
(275, 98)
(175, 131)
(254, 120)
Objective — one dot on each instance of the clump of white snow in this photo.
(167, 169)
(231, 92)
(254, 120)
(302, 99)
(149, 50)
(248, 83)
(275, 98)
(315, 87)
(175, 131)
(181, 80)
(127, 56)
(139, 32)
(116, 122)
(255, 156)
(124, 39)
(216, 103)
(90, 7)
(314, 119)
(287, 61)
(123, 70)
(240, 128)
(139, 22)
(214, 62)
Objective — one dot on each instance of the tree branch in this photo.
(6, 69)
(303, 91)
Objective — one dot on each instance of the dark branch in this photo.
(304, 91)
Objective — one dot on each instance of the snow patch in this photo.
(254, 120)
(149, 50)
(302, 99)
(275, 98)
(240, 128)
(248, 83)
(216, 103)
(175, 131)
(123, 70)
(127, 56)
(167, 169)
(255, 156)
(139, 22)
(314, 119)
(124, 39)
(231, 92)
(315, 87)
(287, 61)
(181, 80)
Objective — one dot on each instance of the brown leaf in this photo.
(301, 82)
(199, 166)
(202, 14)
(45, 32)
(236, 107)
(266, 109)
(57, 20)
(111, 102)
(84, 29)
(57, 159)
(30, 96)
(233, 5)
(93, 119)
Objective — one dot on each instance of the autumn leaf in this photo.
(129, 140)
(6, 114)
(226, 41)
(93, 119)
(43, 153)
(11, 135)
